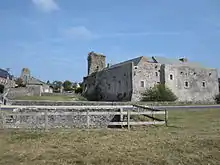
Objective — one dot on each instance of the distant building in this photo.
(126, 81)
(6, 79)
(35, 84)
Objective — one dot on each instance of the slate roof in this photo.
(34, 81)
(164, 60)
(5, 74)
(161, 60)
(134, 60)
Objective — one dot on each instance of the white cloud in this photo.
(78, 33)
(46, 5)
(134, 34)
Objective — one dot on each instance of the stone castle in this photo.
(126, 81)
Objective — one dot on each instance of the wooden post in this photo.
(153, 117)
(166, 117)
(3, 120)
(87, 119)
(128, 121)
(46, 120)
(121, 116)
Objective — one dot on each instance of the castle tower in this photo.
(25, 75)
(96, 62)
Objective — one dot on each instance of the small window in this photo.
(210, 74)
(156, 67)
(109, 86)
(181, 73)
(156, 73)
(142, 83)
(203, 84)
(135, 67)
(171, 77)
(186, 84)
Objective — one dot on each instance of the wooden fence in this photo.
(88, 111)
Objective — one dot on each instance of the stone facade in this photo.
(110, 84)
(126, 81)
(192, 84)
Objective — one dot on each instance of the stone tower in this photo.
(25, 75)
(96, 62)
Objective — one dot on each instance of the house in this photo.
(6, 80)
(126, 81)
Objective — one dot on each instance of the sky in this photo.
(53, 37)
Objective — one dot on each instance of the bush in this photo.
(79, 90)
(217, 98)
(159, 93)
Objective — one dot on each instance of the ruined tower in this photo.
(96, 62)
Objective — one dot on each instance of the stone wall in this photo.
(146, 75)
(112, 84)
(192, 83)
(62, 120)
(17, 92)
(65, 103)
(33, 90)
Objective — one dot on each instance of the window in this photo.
(203, 84)
(135, 67)
(186, 84)
(210, 74)
(171, 77)
(142, 83)
(156, 73)
(109, 86)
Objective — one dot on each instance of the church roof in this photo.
(34, 81)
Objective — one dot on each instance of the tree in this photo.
(159, 93)
(67, 85)
(57, 86)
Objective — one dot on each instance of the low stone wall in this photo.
(72, 103)
(58, 121)
(58, 94)
(17, 92)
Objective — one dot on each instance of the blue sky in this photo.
(53, 37)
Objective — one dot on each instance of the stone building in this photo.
(35, 85)
(6, 80)
(126, 81)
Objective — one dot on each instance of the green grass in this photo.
(51, 98)
(193, 137)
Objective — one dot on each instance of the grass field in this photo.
(52, 98)
(193, 137)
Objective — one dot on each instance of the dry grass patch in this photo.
(192, 138)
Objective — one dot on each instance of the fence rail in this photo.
(89, 111)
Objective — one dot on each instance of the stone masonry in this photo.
(126, 81)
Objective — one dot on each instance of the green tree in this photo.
(57, 86)
(159, 93)
(67, 85)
